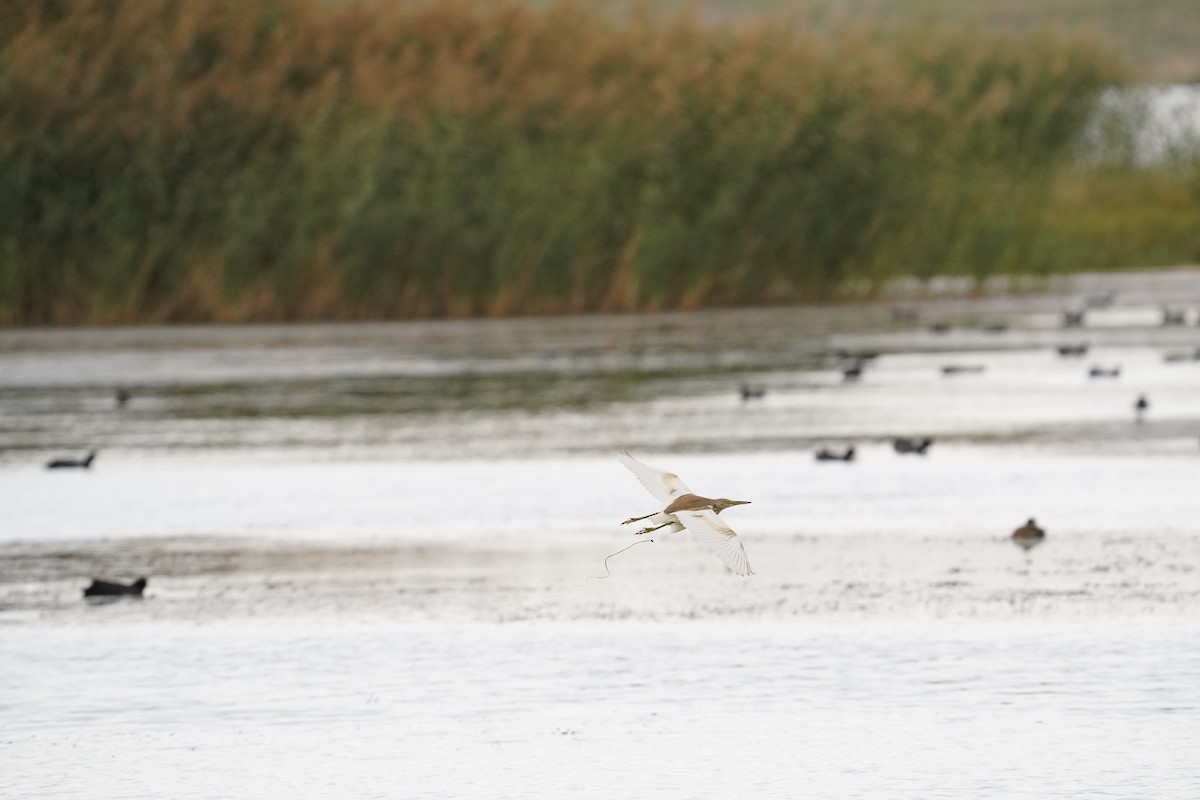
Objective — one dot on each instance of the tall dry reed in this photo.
(295, 159)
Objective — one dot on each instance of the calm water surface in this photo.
(375, 552)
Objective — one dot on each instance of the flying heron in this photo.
(683, 509)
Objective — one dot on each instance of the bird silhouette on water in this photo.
(1104, 372)
(963, 369)
(1171, 316)
(1028, 535)
(905, 446)
(749, 392)
(101, 588)
(73, 463)
(1141, 407)
(1072, 350)
(1178, 358)
(825, 454)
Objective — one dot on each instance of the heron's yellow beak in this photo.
(739, 502)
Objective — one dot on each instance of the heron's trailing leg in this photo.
(656, 527)
(638, 519)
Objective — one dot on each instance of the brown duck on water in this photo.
(1028, 535)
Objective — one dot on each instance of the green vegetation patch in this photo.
(172, 160)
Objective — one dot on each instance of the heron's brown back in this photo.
(690, 502)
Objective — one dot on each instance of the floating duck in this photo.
(825, 454)
(1171, 316)
(1178, 358)
(749, 392)
(1141, 407)
(1073, 319)
(1028, 535)
(101, 588)
(917, 447)
(72, 463)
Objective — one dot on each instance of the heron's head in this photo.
(724, 503)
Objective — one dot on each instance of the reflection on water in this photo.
(374, 554)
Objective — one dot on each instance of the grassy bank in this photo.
(171, 160)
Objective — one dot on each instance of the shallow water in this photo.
(375, 552)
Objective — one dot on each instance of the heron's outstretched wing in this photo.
(664, 485)
(718, 537)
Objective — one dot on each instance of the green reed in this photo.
(172, 160)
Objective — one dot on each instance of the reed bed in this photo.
(227, 160)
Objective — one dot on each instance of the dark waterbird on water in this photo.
(825, 454)
(905, 446)
(101, 588)
(1072, 350)
(749, 392)
(1179, 358)
(72, 463)
(856, 356)
(852, 363)
(1171, 316)
(1104, 372)
(1028, 535)
(963, 369)
(1073, 319)
(853, 372)
(1141, 407)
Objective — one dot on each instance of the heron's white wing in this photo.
(664, 485)
(718, 537)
